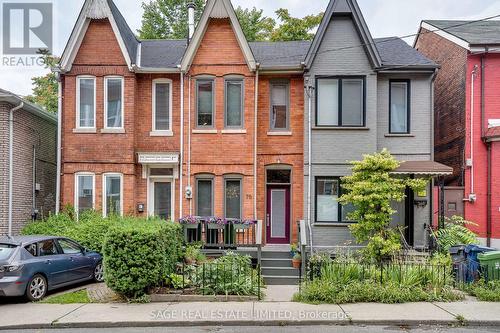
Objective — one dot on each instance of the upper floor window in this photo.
(340, 102)
(205, 103)
(280, 106)
(113, 106)
(112, 194)
(85, 102)
(84, 192)
(234, 103)
(399, 104)
(162, 103)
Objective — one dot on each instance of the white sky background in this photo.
(384, 18)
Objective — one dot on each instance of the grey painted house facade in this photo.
(364, 95)
(32, 138)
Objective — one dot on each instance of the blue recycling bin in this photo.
(473, 265)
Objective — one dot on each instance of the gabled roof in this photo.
(101, 9)
(218, 9)
(344, 8)
(472, 32)
(395, 53)
(13, 99)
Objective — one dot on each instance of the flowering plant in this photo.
(248, 222)
(215, 220)
(189, 220)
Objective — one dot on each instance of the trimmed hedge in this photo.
(138, 256)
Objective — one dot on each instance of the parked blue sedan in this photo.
(33, 265)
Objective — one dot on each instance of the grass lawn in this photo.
(68, 298)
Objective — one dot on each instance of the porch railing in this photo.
(229, 234)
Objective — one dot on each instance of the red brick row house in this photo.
(210, 126)
(467, 117)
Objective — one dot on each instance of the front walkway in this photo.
(250, 314)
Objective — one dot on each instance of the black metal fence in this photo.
(402, 273)
(469, 271)
(217, 279)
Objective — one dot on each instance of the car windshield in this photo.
(6, 251)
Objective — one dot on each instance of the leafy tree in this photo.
(455, 232)
(293, 28)
(254, 24)
(371, 189)
(167, 19)
(45, 87)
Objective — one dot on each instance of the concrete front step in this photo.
(271, 263)
(280, 280)
(280, 271)
(276, 255)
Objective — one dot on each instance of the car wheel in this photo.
(99, 272)
(36, 288)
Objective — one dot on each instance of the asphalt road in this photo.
(299, 329)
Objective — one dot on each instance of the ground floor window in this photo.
(84, 192)
(328, 208)
(163, 200)
(112, 194)
(232, 197)
(204, 197)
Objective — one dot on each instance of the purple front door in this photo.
(278, 215)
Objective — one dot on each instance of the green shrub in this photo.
(455, 232)
(139, 254)
(486, 291)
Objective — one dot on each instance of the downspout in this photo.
(181, 159)
(189, 144)
(471, 194)
(309, 90)
(33, 189)
(255, 120)
(488, 221)
(59, 145)
(11, 161)
(431, 194)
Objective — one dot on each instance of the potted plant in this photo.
(215, 223)
(189, 222)
(297, 260)
(294, 249)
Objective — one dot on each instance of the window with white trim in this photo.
(328, 208)
(399, 101)
(84, 191)
(112, 194)
(113, 105)
(85, 102)
(280, 92)
(162, 104)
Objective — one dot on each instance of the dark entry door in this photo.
(278, 215)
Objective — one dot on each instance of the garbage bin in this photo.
(490, 264)
(473, 266)
(459, 259)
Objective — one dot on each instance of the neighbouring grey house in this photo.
(363, 95)
(28, 136)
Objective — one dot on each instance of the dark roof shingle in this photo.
(128, 36)
(162, 53)
(396, 52)
(473, 32)
(280, 54)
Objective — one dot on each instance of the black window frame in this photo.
(408, 105)
(234, 179)
(205, 80)
(286, 83)
(340, 206)
(340, 78)
(212, 203)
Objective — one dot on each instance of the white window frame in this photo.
(76, 201)
(78, 79)
(154, 131)
(106, 79)
(104, 191)
(151, 180)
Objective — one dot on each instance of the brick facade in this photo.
(31, 132)
(218, 152)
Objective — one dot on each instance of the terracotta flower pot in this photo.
(296, 263)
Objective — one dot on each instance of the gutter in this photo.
(488, 144)
(489, 204)
(431, 193)
(11, 163)
(309, 89)
(181, 159)
(59, 146)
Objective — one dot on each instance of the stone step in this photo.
(280, 271)
(271, 263)
(280, 280)
(276, 255)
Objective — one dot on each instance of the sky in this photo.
(384, 18)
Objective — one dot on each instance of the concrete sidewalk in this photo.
(33, 315)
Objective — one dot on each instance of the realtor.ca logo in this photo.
(27, 28)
